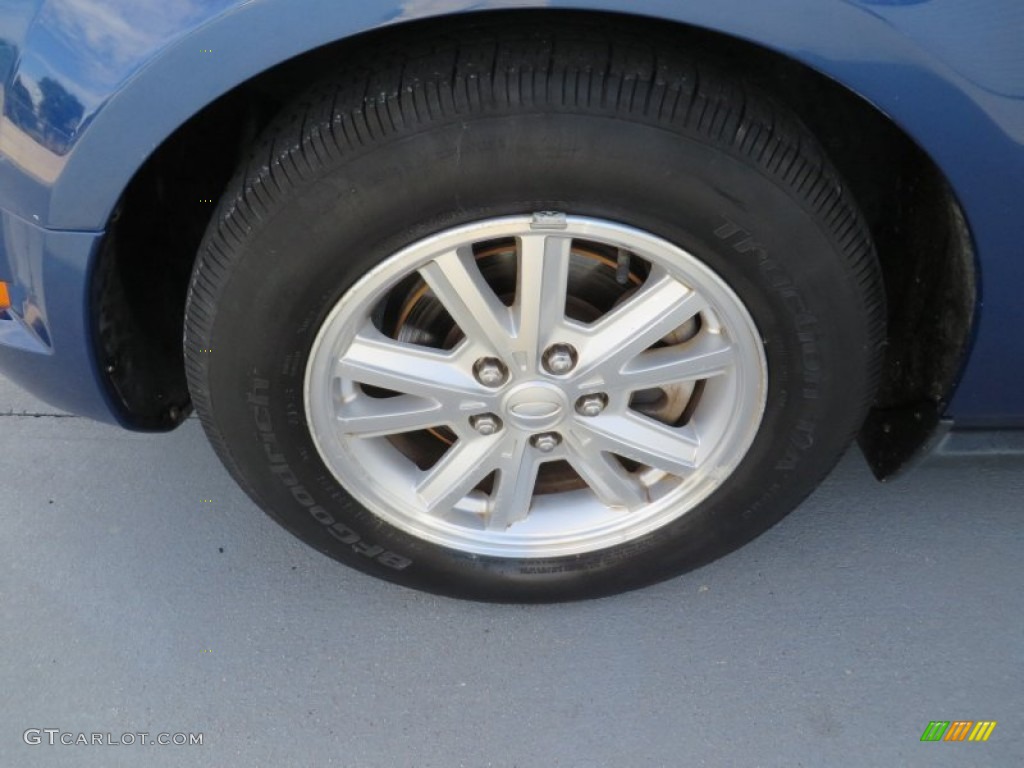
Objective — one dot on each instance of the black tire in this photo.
(575, 119)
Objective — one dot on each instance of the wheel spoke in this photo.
(514, 485)
(608, 479)
(541, 292)
(636, 437)
(701, 358)
(459, 285)
(661, 306)
(374, 359)
(455, 474)
(365, 416)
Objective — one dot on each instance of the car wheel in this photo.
(533, 318)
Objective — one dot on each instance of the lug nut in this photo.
(592, 405)
(490, 371)
(560, 359)
(546, 442)
(486, 424)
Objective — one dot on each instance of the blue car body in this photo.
(91, 88)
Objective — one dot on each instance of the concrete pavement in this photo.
(129, 604)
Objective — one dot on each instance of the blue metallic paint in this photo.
(46, 345)
(92, 87)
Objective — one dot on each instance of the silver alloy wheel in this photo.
(551, 435)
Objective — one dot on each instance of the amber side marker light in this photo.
(5, 297)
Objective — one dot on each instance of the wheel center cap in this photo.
(535, 406)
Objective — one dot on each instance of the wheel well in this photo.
(141, 276)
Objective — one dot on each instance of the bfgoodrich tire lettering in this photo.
(646, 138)
(278, 467)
